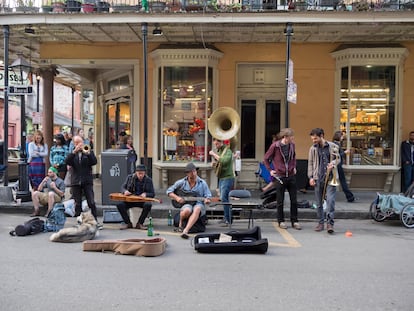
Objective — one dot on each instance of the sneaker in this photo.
(330, 228)
(296, 226)
(282, 225)
(99, 226)
(125, 226)
(319, 228)
(222, 221)
(224, 224)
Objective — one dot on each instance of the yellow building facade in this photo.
(251, 79)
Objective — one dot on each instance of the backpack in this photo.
(32, 226)
(199, 226)
(56, 219)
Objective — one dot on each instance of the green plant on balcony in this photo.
(47, 6)
(25, 6)
(25, 3)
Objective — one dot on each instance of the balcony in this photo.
(194, 6)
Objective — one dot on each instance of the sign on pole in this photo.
(14, 79)
(292, 92)
(20, 90)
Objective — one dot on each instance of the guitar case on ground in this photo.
(247, 241)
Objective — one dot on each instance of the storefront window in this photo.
(117, 121)
(368, 105)
(186, 100)
(119, 84)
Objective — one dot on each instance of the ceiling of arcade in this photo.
(309, 27)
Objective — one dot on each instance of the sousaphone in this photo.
(223, 124)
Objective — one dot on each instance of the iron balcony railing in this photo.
(166, 6)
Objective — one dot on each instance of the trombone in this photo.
(334, 181)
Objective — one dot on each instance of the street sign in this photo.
(20, 90)
(14, 79)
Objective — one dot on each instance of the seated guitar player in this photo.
(141, 185)
(198, 189)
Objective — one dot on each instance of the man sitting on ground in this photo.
(50, 191)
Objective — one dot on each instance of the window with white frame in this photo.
(368, 100)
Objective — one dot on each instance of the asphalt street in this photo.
(302, 270)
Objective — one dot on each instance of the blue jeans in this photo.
(330, 203)
(341, 176)
(225, 186)
(408, 175)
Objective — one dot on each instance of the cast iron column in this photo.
(144, 29)
(37, 96)
(288, 34)
(23, 193)
(6, 31)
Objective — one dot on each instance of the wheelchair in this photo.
(393, 206)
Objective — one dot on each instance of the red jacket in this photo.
(284, 167)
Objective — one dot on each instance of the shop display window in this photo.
(186, 100)
(367, 104)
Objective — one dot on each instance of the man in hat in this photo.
(194, 186)
(138, 184)
(50, 191)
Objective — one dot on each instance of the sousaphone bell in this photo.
(223, 124)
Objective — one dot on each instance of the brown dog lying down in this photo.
(138, 247)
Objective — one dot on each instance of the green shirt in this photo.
(226, 160)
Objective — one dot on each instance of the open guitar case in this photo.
(246, 241)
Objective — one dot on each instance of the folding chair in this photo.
(239, 200)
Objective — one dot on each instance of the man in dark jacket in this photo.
(81, 160)
(283, 156)
(407, 160)
(138, 184)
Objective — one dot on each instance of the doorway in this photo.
(260, 122)
(118, 121)
(263, 119)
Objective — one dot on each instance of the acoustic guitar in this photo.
(189, 198)
(131, 198)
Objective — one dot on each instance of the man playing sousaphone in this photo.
(225, 173)
(323, 157)
(223, 125)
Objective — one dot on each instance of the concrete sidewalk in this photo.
(343, 210)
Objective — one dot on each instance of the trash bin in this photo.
(117, 164)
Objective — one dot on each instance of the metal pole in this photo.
(6, 31)
(288, 34)
(23, 193)
(144, 29)
(37, 96)
(73, 112)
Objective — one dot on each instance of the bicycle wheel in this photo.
(407, 215)
(375, 212)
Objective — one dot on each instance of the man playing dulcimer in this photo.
(141, 185)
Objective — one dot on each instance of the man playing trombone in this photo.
(323, 159)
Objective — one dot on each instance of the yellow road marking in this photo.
(291, 242)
